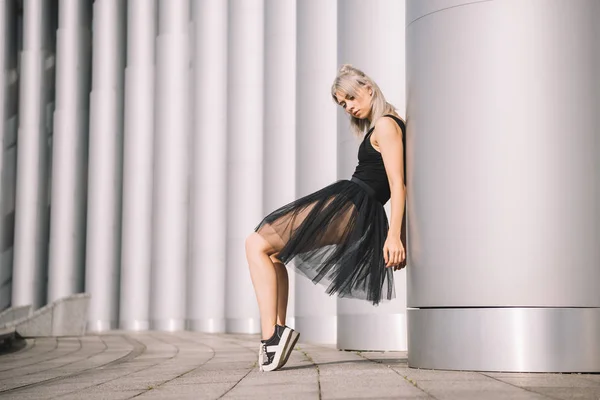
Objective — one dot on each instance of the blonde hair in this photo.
(348, 81)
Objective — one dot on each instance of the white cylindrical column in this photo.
(360, 325)
(507, 205)
(70, 149)
(105, 165)
(279, 163)
(171, 170)
(245, 156)
(136, 246)
(31, 234)
(9, 80)
(206, 282)
(316, 151)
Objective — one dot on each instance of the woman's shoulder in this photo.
(394, 116)
(390, 122)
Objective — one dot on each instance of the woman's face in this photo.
(358, 106)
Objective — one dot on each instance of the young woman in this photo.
(338, 236)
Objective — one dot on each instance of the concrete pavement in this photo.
(189, 365)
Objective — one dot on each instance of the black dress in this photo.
(335, 236)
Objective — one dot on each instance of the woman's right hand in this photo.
(394, 254)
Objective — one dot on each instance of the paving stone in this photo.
(569, 393)
(553, 380)
(102, 395)
(591, 377)
(203, 377)
(418, 375)
(476, 390)
(259, 385)
(308, 395)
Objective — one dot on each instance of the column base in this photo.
(101, 326)
(242, 325)
(208, 325)
(168, 325)
(318, 329)
(134, 325)
(372, 332)
(505, 339)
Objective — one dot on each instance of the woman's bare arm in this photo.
(389, 139)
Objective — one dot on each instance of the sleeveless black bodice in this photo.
(370, 168)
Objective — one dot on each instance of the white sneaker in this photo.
(273, 349)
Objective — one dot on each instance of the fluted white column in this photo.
(171, 167)
(8, 133)
(315, 311)
(206, 282)
(105, 165)
(245, 156)
(31, 235)
(137, 165)
(70, 144)
(279, 163)
(360, 325)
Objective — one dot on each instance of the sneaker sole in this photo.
(260, 358)
(293, 340)
(283, 343)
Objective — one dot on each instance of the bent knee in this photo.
(256, 244)
(274, 258)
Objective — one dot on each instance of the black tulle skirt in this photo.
(335, 237)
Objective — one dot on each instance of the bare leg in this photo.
(264, 279)
(282, 290)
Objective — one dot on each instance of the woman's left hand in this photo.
(394, 253)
